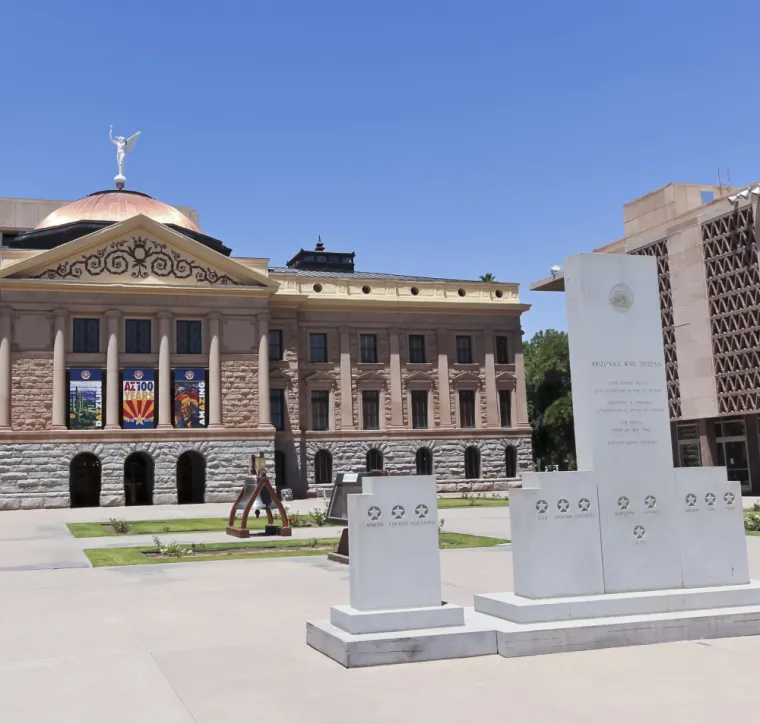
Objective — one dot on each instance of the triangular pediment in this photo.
(421, 378)
(466, 378)
(370, 378)
(320, 376)
(505, 377)
(137, 252)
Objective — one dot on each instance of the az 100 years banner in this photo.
(138, 399)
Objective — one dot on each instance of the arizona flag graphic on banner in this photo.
(138, 399)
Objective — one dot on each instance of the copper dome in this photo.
(116, 206)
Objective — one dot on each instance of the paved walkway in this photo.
(201, 643)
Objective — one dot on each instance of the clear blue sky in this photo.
(431, 137)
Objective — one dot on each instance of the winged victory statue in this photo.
(123, 147)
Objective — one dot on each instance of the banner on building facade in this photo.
(85, 399)
(138, 399)
(189, 398)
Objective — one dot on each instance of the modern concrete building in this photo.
(140, 362)
(705, 241)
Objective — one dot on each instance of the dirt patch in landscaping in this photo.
(239, 551)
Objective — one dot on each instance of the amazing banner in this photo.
(189, 398)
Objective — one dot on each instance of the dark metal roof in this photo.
(367, 275)
(52, 236)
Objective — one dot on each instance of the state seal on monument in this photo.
(621, 297)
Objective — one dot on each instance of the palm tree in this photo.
(487, 277)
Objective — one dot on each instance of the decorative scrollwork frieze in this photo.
(139, 258)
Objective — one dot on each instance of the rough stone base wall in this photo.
(37, 475)
(32, 392)
(240, 402)
(448, 460)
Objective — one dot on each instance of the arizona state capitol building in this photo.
(141, 363)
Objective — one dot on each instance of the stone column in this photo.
(214, 373)
(397, 410)
(521, 398)
(346, 395)
(112, 370)
(444, 397)
(59, 370)
(492, 396)
(265, 417)
(5, 368)
(164, 370)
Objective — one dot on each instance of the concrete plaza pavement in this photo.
(207, 642)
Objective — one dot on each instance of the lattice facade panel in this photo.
(659, 250)
(729, 248)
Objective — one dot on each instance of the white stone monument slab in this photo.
(560, 520)
(639, 533)
(393, 534)
(622, 426)
(711, 528)
(396, 613)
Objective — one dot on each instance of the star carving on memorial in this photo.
(374, 513)
(421, 511)
(639, 532)
(623, 502)
(710, 499)
(691, 499)
(397, 512)
(729, 498)
(584, 504)
(650, 501)
(562, 505)
(542, 506)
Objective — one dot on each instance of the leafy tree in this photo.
(487, 277)
(550, 402)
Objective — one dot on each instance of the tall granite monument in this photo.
(627, 534)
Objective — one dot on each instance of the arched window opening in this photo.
(374, 459)
(510, 460)
(472, 462)
(191, 478)
(84, 481)
(424, 461)
(323, 467)
(138, 479)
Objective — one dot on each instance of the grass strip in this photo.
(102, 557)
(210, 525)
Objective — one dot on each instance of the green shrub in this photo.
(120, 526)
(297, 521)
(318, 516)
(172, 550)
(752, 521)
